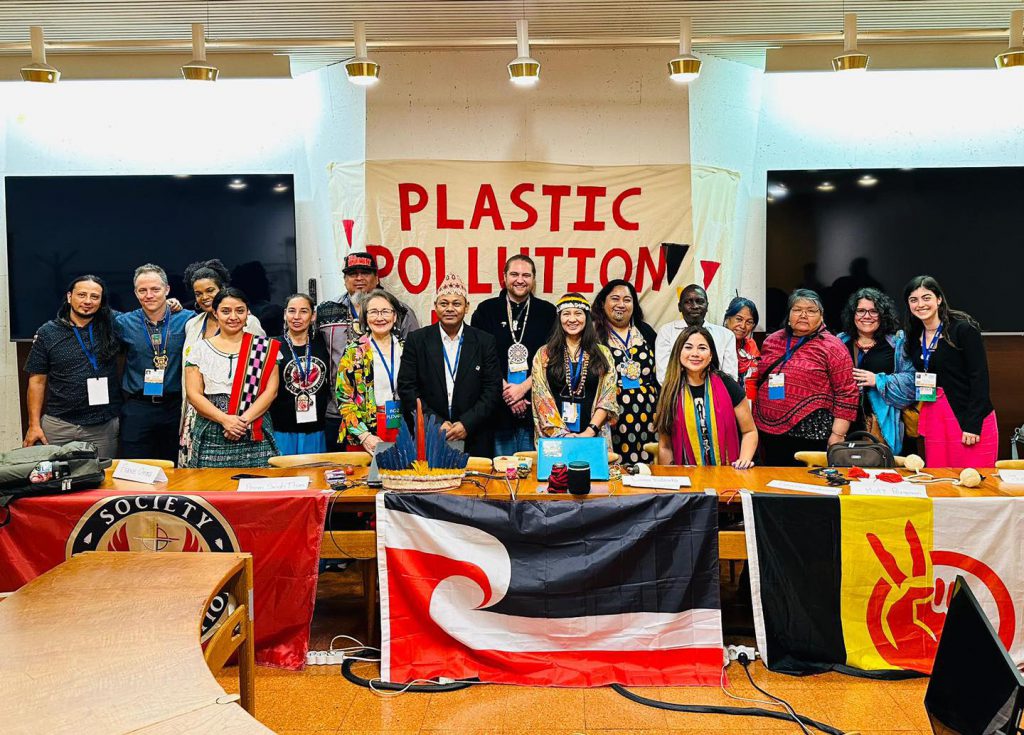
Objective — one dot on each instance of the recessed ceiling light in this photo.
(280, 188)
(237, 184)
(867, 180)
(826, 186)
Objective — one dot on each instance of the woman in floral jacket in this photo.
(574, 387)
(367, 374)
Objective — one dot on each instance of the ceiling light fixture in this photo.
(867, 180)
(1013, 57)
(524, 70)
(685, 67)
(826, 186)
(360, 69)
(280, 188)
(199, 69)
(851, 59)
(237, 184)
(39, 70)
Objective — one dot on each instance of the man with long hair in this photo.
(72, 371)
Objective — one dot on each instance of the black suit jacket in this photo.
(477, 384)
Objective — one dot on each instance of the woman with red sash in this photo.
(232, 380)
(366, 386)
(703, 417)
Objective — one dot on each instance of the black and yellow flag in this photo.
(863, 583)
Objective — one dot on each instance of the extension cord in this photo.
(325, 658)
(735, 651)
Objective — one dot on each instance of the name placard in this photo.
(138, 472)
(272, 484)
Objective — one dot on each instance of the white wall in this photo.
(159, 127)
(592, 106)
(881, 119)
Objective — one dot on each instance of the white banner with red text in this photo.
(582, 225)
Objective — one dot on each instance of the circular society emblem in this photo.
(157, 523)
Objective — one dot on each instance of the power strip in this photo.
(325, 658)
(735, 651)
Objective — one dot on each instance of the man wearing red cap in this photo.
(338, 322)
(453, 368)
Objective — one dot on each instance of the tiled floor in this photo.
(319, 700)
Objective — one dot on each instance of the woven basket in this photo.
(411, 481)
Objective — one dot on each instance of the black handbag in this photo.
(860, 449)
(48, 469)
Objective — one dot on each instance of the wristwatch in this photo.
(596, 429)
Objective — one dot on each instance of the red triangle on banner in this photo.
(348, 224)
(710, 268)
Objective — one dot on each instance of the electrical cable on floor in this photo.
(789, 715)
(377, 686)
(744, 661)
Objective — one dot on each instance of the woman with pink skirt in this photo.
(958, 422)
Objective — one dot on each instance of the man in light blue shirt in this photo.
(153, 337)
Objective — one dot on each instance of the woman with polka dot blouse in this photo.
(620, 325)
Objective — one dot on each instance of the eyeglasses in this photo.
(375, 313)
(805, 312)
(866, 312)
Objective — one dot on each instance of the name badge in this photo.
(571, 415)
(777, 386)
(153, 384)
(628, 383)
(99, 393)
(518, 376)
(925, 387)
(392, 414)
(629, 374)
(305, 408)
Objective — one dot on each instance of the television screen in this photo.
(60, 227)
(974, 689)
(838, 230)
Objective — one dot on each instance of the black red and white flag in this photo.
(619, 589)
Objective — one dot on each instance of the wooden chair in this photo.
(164, 464)
(820, 459)
(356, 459)
(1010, 464)
(360, 547)
(652, 449)
(481, 464)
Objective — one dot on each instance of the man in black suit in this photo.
(520, 324)
(453, 368)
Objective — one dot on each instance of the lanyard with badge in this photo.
(575, 384)
(925, 383)
(518, 354)
(96, 387)
(305, 402)
(392, 408)
(777, 379)
(153, 384)
(452, 370)
(628, 369)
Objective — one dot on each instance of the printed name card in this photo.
(1012, 477)
(655, 482)
(272, 484)
(804, 487)
(138, 472)
(888, 490)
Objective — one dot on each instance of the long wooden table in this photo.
(109, 643)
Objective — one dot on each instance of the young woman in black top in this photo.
(958, 422)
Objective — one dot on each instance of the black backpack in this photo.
(860, 449)
(48, 469)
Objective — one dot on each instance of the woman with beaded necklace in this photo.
(574, 390)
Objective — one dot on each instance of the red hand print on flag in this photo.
(905, 630)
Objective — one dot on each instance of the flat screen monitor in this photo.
(61, 227)
(975, 689)
(837, 230)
